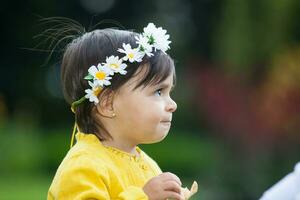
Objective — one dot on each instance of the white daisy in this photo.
(116, 64)
(161, 41)
(150, 30)
(92, 94)
(131, 54)
(101, 74)
(157, 37)
(144, 45)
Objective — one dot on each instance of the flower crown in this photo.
(99, 76)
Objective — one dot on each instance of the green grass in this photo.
(24, 187)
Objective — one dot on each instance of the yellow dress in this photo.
(91, 170)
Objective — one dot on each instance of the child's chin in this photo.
(159, 137)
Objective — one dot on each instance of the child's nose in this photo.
(171, 106)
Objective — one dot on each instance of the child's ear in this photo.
(105, 105)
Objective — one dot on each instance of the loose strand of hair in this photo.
(60, 32)
(108, 21)
(57, 43)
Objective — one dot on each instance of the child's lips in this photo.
(168, 122)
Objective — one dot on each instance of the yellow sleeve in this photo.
(82, 179)
(133, 193)
(79, 179)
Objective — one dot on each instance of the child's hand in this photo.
(164, 186)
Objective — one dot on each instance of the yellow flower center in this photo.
(100, 75)
(130, 55)
(97, 91)
(114, 65)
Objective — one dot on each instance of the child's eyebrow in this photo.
(166, 85)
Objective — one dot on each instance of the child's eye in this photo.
(158, 92)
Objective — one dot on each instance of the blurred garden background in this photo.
(238, 92)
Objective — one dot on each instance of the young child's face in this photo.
(144, 115)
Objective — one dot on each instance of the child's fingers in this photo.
(172, 195)
(170, 176)
(172, 185)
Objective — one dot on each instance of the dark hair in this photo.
(92, 48)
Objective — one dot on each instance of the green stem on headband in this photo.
(76, 103)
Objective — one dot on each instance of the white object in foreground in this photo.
(287, 188)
